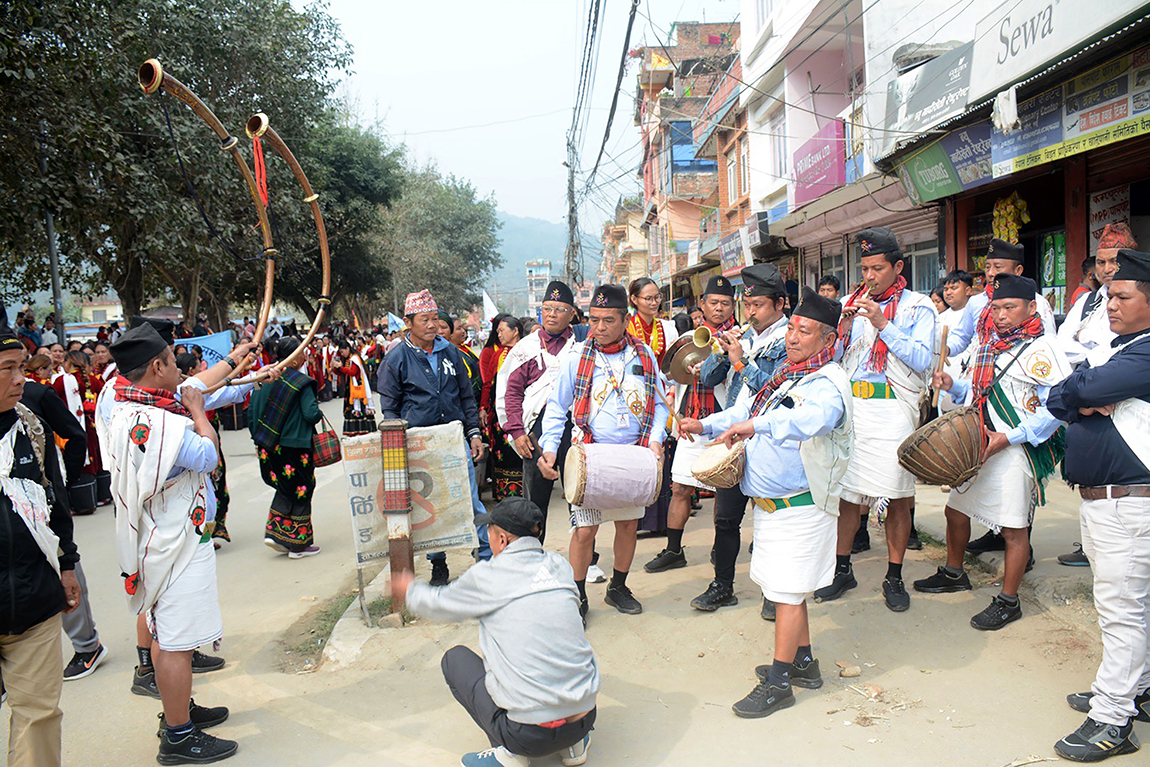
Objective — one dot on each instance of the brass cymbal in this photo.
(682, 355)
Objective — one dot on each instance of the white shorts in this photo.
(581, 517)
(880, 426)
(685, 455)
(1001, 494)
(187, 614)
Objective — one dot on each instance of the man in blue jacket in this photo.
(424, 381)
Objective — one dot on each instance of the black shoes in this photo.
(991, 541)
(84, 663)
(584, 608)
(768, 611)
(195, 748)
(764, 700)
(942, 582)
(202, 664)
(861, 542)
(807, 676)
(1076, 558)
(717, 595)
(1095, 741)
(201, 716)
(894, 592)
(666, 560)
(913, 543)
(1080, 701)
(996, 615)
(145, 683)
(440, 575)
(621, 598)
(843, 582)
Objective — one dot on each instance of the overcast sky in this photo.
(429, 69)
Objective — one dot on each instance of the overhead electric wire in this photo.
(618, 87)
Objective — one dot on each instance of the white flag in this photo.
(489, 310)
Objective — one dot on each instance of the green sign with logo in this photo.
(929, 175)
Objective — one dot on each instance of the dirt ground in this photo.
(931, 690)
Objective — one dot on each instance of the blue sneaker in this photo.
(495, 757)
(577, 754)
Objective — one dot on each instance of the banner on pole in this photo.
(215, 347)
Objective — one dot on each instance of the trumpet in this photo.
(703, 337)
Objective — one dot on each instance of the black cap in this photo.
(138, 347)
(877, 241)
(166, 329)
(445, 317)
(1133, 265)
(763, 279)
(818, 308)
(1014, 286)
(557, 290)
(516, 515)
(1011, 251)
(719, 286)
(609, 297)
(10, 342)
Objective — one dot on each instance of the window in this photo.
(99, 315)
(922, 259)
(763, 10)
(732, 178)
(745, 166)
(777, 127)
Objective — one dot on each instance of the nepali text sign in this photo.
(733, 253)
(214, 347)
(1110, 206)
(820, 164)
(928, 94)
(957, 162)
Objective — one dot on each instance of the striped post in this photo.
(396, 499)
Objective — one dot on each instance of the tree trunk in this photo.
(130, 288)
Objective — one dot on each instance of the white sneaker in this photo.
(577, 754)
(310, 551)
(274, 546)
(495, 757)
(596, 575)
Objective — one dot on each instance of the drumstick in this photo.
(675, 416)
(942, 355)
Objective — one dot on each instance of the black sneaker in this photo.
(84, 663)
(440, 575)
(768, 611)
(195, 748)
(843, 582)
(584, 608)
(666, 560)
(717, 595)
(913, 543)
(991, 541)
(894, 592)
(807, 676)
(145, 684)
(1095, 741)
(201, 716)
(862, 540)
(996, 615)
(1076, 558)
(1080, 701)
(202, 664)
(942, 582)
(621, 598)
(764, 700)
(1030, 561)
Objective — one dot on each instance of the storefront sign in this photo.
(1021, 36)
(733, 253)
(693, 253)
(1110, 206)
(820, 164)
(1041, 120)
(957, 162)
(929, 94)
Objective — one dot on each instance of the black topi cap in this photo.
(1011, 251)
(1014, 286)
(166, 329)
(719, 286)
(1133, 265)
(557, 290)
(819, 308)
(609, 297)
(877, 241)
(138, 347)
(763, 279)
(516, 515)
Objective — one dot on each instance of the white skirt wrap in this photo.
(685, 454)
(1001, 494)
(187, 614)
(880, 426)
(794, 552)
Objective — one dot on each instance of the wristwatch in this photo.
(738, 365)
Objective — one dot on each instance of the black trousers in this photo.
(730, 506)
(465, 675)
(536, 487)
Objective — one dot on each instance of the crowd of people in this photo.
(815, 393)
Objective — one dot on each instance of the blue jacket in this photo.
(411, 389)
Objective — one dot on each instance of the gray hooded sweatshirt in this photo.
(540, 666)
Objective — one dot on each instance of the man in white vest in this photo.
(1106, 404)
(887, 342)
(797, 429)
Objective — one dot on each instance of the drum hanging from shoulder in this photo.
(104, 487)
(718, 466)
(601, 476)
(82, 495)
(946, 451)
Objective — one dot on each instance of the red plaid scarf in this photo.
(985, 327)
(585, 372)
(790, 372)
(126, 391)
(877, 362)
(701, 399)
(982, 375)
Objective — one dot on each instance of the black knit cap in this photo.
(1014, 286)
(138, 347)
(818, 308)
(516, 515)
(1011, 251)
(9, 341)
(609, 297)
(877, 241)
(166, 329)
(719, 286)
(557, 290)
(1133, 265)
(763, 279)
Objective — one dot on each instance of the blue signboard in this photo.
(1041, 119)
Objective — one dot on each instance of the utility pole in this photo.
(573, 267)
(53, 256)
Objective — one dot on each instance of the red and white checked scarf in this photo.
(878, 350)
(585, 372)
